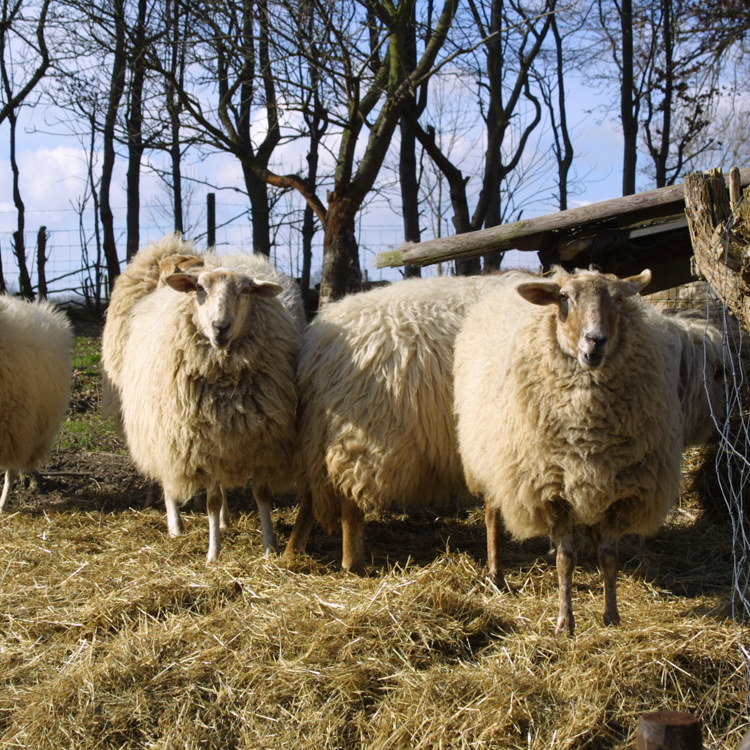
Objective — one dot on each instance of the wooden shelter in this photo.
(621, 235)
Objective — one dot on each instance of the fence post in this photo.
(41, 261)
(211, 219)
(668, 730)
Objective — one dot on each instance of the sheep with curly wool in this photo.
(35, 371)
(567, 397)
(207, 385)
(702, 385)
(143, 275)
(375, 418)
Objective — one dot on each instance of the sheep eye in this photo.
(564, 296)
(200, 292)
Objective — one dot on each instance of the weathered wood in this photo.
(720, 242)
(668, 730)
(542, 232)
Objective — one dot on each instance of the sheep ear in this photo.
(170, 264)
(636, 283)
(181, 282)
(263, 288)
(540, 292)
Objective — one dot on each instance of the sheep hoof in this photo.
(357, 569)
(611, 618)
(565, 625)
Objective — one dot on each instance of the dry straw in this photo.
(115, 636)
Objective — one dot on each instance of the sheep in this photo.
(35, 372)
(145, 273)
(375, 418)
(568, 405)
(206, 384)
(699, 349)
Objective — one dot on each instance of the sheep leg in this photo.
(10, 478)
(174, 520)
(263, 501)
(609, 564)
(215, 500)
(225, 521)
(493, 522)
(566, 562)
(352, 537)
(302, 527)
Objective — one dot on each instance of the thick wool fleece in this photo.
(193, 415)
(35, 354)
(543, 438)
(376, 420)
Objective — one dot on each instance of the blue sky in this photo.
(53, 173)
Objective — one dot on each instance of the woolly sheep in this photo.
(144, 274)
(699, 349)
(375, 417)
(35, 371)
(569, 412)
(206, 382)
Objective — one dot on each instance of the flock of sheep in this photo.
(562, 400)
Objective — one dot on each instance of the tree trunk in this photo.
(722, 255)
(407, 169)
(3, 287)
(117, 86)
(341, 271)
(628, 105)
(135, 136)
(176, 68)
(19, 246)
(257, 192)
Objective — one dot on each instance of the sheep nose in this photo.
(221, 329)
(597, 340)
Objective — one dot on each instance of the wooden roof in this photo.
(621, 235)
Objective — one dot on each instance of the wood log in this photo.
(538, 233)
(668, 730)
(720, 248)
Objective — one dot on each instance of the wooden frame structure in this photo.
(621, 235)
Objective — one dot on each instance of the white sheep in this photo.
(702, 386)
(143, 275)
(35, 372)
(568, 402)
(376, 397)
(206, 383)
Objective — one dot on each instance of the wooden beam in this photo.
(538, 233)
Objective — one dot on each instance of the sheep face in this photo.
(588, 304)
(223, 299)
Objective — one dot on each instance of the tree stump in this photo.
(720, 234)
(668, 730)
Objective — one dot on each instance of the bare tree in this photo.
(512, 35)
(24, 59)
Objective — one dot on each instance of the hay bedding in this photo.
(115, 636)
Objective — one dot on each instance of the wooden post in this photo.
(668, 730)
(211, 219)
(41, 261)
(720, 246)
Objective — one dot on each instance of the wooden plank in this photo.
(534, 234)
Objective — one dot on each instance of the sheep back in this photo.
(193, 415)
(139, 278)
(374, 373)
(540, 436)
(35, 371)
